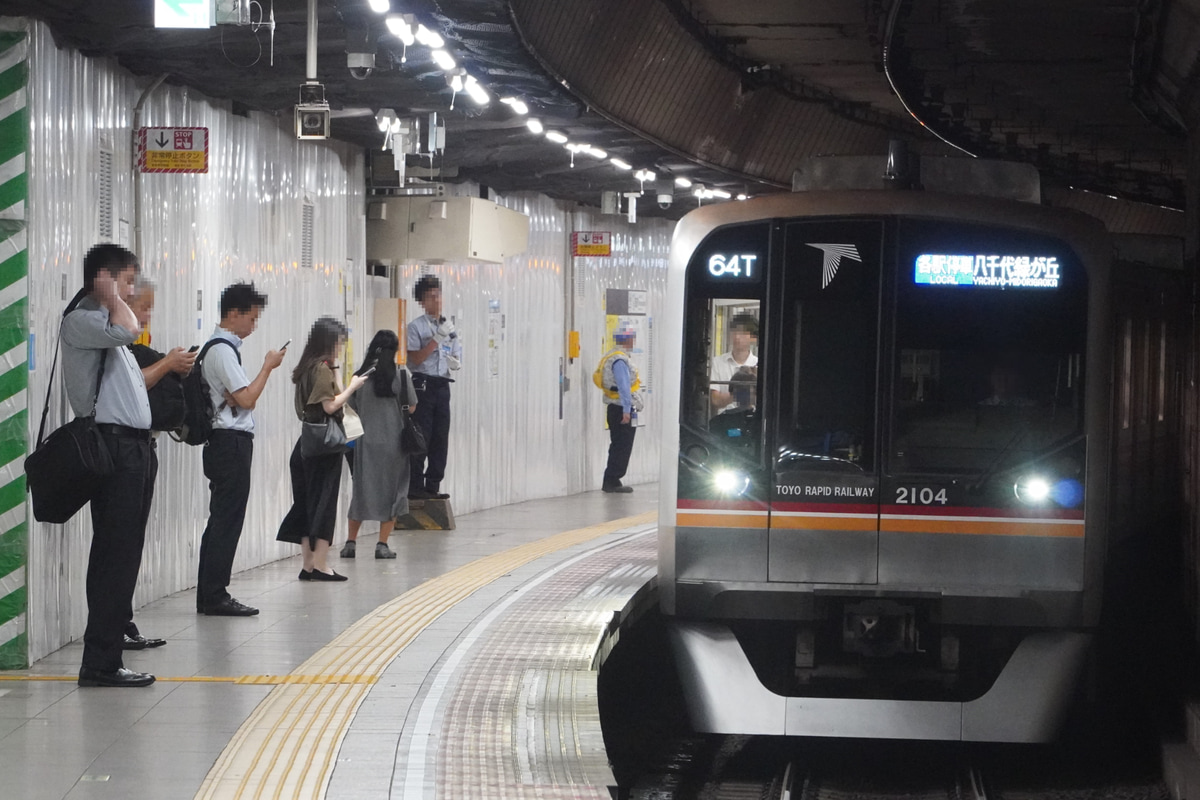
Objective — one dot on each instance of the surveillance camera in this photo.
(312, 121)
(360, 73)
(665, 200)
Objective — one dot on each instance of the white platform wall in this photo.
(515, 436)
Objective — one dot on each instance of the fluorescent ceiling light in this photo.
(743, 196)
(595, 152)
(398, 26)
(683, 183)
(535, 125)
(556, 137)
(443, 59)
(721, 193)
(429, 38)
(516, 104)
(645, 176)
(384, 119)
(380, 6)
(475, 89)
(619, 164)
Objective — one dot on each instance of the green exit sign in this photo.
(184, 13)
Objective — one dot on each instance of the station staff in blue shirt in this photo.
(434, 349)
(620, 377)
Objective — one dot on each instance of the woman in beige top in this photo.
(315, 480)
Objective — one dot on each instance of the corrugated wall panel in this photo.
(242, 221)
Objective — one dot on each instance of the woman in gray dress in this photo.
(380, 466)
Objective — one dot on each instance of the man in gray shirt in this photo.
(95, 331)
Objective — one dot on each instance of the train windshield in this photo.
(990, 334)
(722, 378)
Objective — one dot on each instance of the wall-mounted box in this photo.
(437, 229)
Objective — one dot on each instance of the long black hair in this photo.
(381, 354)
(322, 341)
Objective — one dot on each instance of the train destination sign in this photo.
(987, 270)
(733, 265)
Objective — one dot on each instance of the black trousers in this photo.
(433, 416)
(227, 459)
(620, 446)
(131, 629)
(119, 512)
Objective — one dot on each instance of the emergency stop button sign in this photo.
(173, 149)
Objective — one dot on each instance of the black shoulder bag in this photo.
(66, 468)
(412, 438)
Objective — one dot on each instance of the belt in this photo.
(421, 377)
(243, 434)
(123, 430)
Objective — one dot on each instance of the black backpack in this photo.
(167, 406)
(198, 417)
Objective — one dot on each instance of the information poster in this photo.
(495, 336)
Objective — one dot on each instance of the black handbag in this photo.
(67, 467)
(322, 438)
(412, 438)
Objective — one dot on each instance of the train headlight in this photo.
(1032, 489)
(729, 482)
(1035, 490)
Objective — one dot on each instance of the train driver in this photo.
(743, 336)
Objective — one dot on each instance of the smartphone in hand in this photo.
(368, 372)
(285, 345)
(193, 348)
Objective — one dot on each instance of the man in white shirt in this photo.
(230, 448)
(743, 336)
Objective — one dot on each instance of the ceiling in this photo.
(1097, 93)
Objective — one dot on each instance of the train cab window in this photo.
(990, 331)
(828, 343)
(723, 366)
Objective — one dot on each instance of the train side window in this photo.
(1126, 372)
(1145, 399)
(1162, 371)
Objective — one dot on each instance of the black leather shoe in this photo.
(306, 574)
(439, 496)
(419, 494)
(617, 489)
(120, 677)
(317, 575)
(230, 608)
(140, 642)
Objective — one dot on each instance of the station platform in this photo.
(463, 668)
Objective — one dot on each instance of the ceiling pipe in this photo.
(137, 169)
(312, 41)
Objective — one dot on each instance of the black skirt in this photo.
(315, 484)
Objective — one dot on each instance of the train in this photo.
(892, 518)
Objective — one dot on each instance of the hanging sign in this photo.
(591, 243)
(173, 149)
(184, 13)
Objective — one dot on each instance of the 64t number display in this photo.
(738, 265)
(920, 496)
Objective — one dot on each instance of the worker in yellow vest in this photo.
(618, 379)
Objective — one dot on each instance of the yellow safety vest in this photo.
(603, 376)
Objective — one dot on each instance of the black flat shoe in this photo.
(306, 575)
(140, 642)
(317, 575)
(617, 489)
(230, 608)
(120, 677)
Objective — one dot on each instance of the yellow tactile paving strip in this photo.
(288, 745)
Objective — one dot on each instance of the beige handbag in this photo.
(352, 423)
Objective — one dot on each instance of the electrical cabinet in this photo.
(443, 229)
